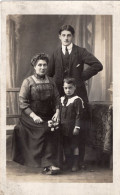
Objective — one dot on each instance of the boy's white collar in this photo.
(71, 100)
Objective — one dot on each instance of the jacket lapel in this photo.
(59, 57)
(73, 57)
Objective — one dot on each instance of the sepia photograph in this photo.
(59, 73)
(58, 88)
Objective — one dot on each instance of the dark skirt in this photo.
(34, 144)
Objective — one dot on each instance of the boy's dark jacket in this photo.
(71, 114)
(78, 57)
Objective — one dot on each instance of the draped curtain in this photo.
(95, 34)
(99, 88)
(30, 34)
(11, 104)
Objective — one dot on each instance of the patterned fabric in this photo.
(100, 135)
(40, 98)
(41, 91)
(40, 79)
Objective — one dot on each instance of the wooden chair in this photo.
(15, 93)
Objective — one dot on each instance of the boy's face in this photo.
(66, 37)
(69, 89)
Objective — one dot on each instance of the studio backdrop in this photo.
(31, 34)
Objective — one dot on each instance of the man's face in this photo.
(66, 37)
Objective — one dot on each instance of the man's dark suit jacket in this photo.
(78, 57)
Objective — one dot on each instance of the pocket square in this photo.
(78, 65)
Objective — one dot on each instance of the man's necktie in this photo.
(66, 52)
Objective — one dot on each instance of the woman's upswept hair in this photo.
(68, 28)
(39, 56)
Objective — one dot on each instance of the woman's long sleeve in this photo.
(24, 97)
(56, 97)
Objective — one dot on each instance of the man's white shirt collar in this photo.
(69, 47)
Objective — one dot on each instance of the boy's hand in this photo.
(56, 116)
(76, 131)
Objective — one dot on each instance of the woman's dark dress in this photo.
(34, 144)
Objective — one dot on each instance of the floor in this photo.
(92, 174)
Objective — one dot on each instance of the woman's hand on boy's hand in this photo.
(76, 131)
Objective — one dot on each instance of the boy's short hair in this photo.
(68, 28)
(69, 80)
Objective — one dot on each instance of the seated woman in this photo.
(34, 144)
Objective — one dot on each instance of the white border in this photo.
(64, 7)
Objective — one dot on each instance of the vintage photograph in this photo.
(59, 98)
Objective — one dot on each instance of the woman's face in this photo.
(41, 67)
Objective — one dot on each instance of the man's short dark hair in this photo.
(68, 28)
(69, 80)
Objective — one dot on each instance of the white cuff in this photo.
(33, 115)
(77, 127)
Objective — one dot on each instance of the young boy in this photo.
(71, 112)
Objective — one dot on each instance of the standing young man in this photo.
(68, 61)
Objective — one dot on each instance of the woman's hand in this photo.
(36, 118)
(76, 131)
(56, 116)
